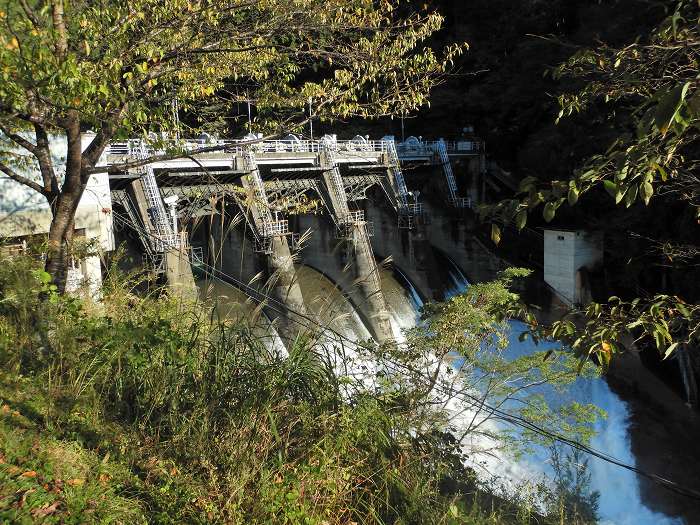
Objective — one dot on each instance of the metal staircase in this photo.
(266, 225)
(398, 175)
(336, 188)
(165, 236)
(454, 198)
(409, 213)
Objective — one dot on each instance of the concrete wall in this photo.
(567, 252)
(25, 212)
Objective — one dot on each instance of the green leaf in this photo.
(521, 219)
(549, 211)
(631, 195)
(573, 196)
(682, 309)
(669, 106)
(495, 233)
(610, 187)
(620, 193)
(646, 190)
(670, 349)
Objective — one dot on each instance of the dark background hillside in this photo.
(503, 88)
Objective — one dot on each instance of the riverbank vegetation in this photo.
(143, 409)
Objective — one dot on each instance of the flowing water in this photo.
(329, 305)
(620, 502)
(228, 303)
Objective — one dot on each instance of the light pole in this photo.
(311, 121)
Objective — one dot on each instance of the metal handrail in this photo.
(270, 229)
(132, 146)
(425, 148)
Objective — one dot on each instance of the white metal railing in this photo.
(270, 229)
(196, 255)
(430, 147)
(461, 146)
(355, 217)
(420, 149)
(415, 208)
(461, 202)
(132, 146)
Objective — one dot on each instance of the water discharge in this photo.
(228, 303)
(620, 502)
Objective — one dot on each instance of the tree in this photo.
(115, 67)
(650, 87)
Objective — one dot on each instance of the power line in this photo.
(513, 419)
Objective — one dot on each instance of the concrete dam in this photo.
(257, 211)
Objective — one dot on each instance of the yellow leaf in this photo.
(75, 482)
(12, 44)
(29, 474)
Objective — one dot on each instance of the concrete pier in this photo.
(285, 288)
(273, 243)
(353, 227)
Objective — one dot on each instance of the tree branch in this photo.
(27, 117)
(59, 25)
(22, 180)
(43, 155)
(18, 139)
(99, 143)
(31, 15)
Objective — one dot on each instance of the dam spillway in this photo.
(270, 186)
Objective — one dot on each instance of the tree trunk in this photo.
(60, 236)
(65, 205)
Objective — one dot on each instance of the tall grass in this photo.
(207, 424)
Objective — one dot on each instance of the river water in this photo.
(620, 502)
